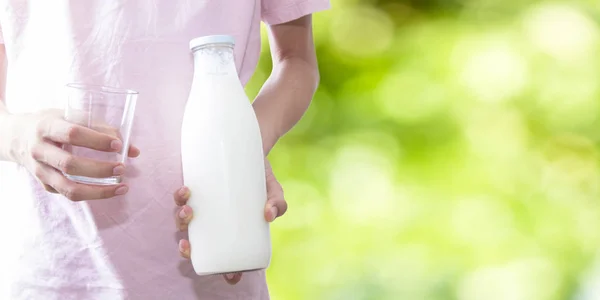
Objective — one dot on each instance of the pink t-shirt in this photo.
(125, 247)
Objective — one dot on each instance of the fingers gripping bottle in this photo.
(223, 165)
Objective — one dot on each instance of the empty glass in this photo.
(105, 109)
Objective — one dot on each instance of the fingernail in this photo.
(122, 190)
(229, 276)
(116, 145)
(184, 192)
(273, 212)
(118, 170)
(184, 250)
(182, 213)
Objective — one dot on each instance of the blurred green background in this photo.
(451, 152)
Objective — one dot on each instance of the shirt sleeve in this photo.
(281, 11)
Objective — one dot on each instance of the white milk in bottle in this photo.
(223, 165)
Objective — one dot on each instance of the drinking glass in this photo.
(105, 109)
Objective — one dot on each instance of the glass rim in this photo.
(101, 89)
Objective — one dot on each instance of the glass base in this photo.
(114, 180)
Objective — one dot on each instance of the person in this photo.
(64, 240)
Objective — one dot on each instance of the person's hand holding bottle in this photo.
(276, 206)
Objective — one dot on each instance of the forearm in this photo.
(5, 117)
(284, 98)
(6, 139)
(3, 109)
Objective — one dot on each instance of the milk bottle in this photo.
(223, 165)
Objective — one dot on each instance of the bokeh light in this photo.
(360, 30)
(491, 67)
(562, 31)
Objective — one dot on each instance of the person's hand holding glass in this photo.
(79, 152)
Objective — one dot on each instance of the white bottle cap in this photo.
(211, 39)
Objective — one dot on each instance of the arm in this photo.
(4, 151)
(3, 65)
(286, 95)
